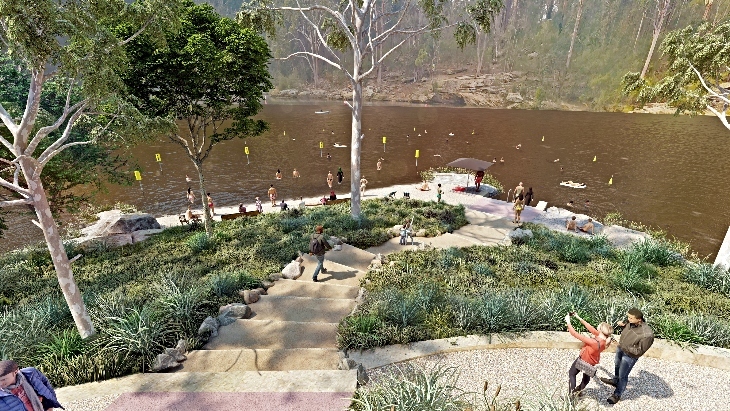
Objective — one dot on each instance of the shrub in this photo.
(228, 284)
(360, 332)
(199, 242)
(709, 329)
(672, 328)
(708, 276)
(656, 252)
(413, 389)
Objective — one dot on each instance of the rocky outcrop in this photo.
(114, 222)
(294, 269)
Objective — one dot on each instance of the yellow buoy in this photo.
(472, 131)
(610, 181)
(543, 138)
(594, 158)
(414, 129)
(284, 132)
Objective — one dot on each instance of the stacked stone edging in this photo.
(380, 356)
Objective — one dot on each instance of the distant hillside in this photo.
(528, 45)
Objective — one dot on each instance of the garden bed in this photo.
(145, 296)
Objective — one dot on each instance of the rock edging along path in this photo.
(702, 355)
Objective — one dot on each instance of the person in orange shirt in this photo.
(590, 352)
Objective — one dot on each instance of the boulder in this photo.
(182, 346)
(334, 241)
(177, 355)
(520, 236)
(267, 284)
(228, 314)
(294, 269)
(251, 296)
(209, 328)
(514, 98)
(164, 362)
(421, 233)
(114, 222)
(292, 92)
(275, 277)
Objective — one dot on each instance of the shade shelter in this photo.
(470, 164)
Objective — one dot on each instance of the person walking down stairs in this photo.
(318, 246)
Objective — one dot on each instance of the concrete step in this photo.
(261, 360)
(229, 401)
(305, 381)
(336, 273)
(274, 335)
(301, 309)
(352, 257)
(302, 288)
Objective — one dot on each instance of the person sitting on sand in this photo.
(424, 186)
(333, 196)
(571, 224)
(284, 206)
(191, 216)
(587, 227)
(241, 208)
(302, 205)
(570, 204)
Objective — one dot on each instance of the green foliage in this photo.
(413, 389)
(708, 276)
(200, 242)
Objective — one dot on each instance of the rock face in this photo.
(228, 314)
(114, 222)
(514, 98)
(294, 269)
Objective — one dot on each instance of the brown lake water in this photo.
(671, 172)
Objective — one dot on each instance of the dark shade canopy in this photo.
(470, 164)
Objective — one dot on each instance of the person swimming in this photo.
(501, 160)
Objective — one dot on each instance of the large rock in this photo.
(250, 296)
(228, 314)
(164, 362)
(294, 269)
(209, 328)
(514, 98)
(175, 354)
(114, 222)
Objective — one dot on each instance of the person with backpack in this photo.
(590, 353)
(318, 245)
(25, 389)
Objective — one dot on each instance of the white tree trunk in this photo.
(70, 291)
(575, 33)
(355, 147)
(641, 23)
(662, 13)
(207, 217)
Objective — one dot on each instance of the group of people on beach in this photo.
(521, 199)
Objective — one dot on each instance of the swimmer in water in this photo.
(556, 160)
(329, 157)
(494, 160)
(570, 204)
(501, 160)
(518, 146)
(278, 174)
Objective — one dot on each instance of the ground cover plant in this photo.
(145, 296)
(420, 295)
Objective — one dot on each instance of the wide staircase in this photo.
(284, 357)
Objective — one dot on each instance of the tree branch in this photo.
(45, 131)
(31, 107)
(14, 187)
(333, 64)
(10, 124)
(43, 161)
(338, 16)
(137, 33)
(13, 203)
(319, 33)
(66, 134)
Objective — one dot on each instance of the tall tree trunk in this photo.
(663, 7)
(575, 32)
(355, 147)
(315, 72)
(70, 291)
(641, 23)
(207, 217)
(708, 6)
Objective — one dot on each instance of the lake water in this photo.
(667, 171)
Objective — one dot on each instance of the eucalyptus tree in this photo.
(362, 27)
(75, 45)
(698, 65)
(210, 78)
(664, 9)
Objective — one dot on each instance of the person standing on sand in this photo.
(518, 207)
(518, 190)
(478, 180)
(330, 179)
(210, 204)
(272, 195)
(363, 183)
(340, 175)
(259, 206)
(439, 192)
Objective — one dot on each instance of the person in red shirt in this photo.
(591, 350)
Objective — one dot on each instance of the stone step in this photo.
(302, 288)
(336, 273)
(352, 257)
(274, 335)
(304, 381)
(301, 309)
(261, 360)
(482, 234)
